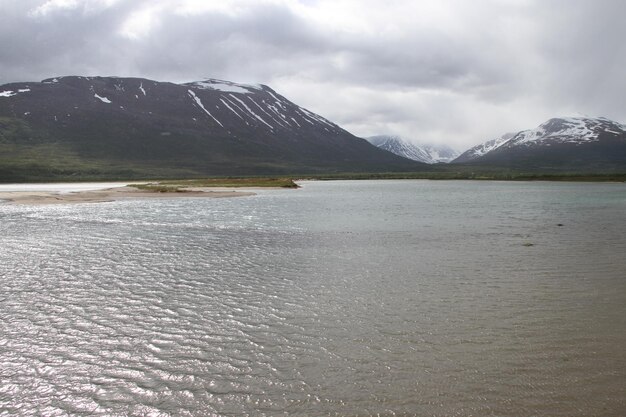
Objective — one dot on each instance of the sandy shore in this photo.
(111, 194)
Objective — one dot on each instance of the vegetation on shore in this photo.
(487, 175)
(186, 182)
(185, 185)
(275, 182)
(159, 188)
(182, 186)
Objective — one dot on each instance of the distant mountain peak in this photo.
(427, 153)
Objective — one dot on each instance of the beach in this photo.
(122, 192)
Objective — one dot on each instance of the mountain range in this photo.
(564, 143)
(132, 127)
(111, 127)
(426, 153)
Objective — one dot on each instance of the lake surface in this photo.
(341, 298)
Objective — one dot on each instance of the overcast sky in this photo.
(445, 71)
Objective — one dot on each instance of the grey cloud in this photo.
(256, 45)
(67, 41)
(585, 55)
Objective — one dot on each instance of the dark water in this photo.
(341, 298)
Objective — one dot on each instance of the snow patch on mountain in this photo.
(102, 99)
(199, 103)
(252, 112)
(225, 86)
(11, 93)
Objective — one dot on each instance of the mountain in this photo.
(440, 153)
(570, 143)
(86, 127)
(429, 154)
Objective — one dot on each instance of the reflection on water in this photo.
(341, 298)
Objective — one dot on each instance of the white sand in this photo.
(110, 194)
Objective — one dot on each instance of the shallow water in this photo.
(340, 298)
(61, 187)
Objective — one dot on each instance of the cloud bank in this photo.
(440, 71)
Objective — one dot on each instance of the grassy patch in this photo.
(278, 182)
(182, 186)
(159, 188)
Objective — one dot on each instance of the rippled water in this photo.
(341, 298)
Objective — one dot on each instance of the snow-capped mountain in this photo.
(197, 128)
(440, 153)
(572, 141)
(429, 154)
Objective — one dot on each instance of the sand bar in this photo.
(112, 194)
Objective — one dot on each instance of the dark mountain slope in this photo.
(138, 127)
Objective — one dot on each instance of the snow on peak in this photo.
(225, 86)
(567, 130)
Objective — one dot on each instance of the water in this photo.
(341, 298)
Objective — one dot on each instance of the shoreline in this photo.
(111, 194)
